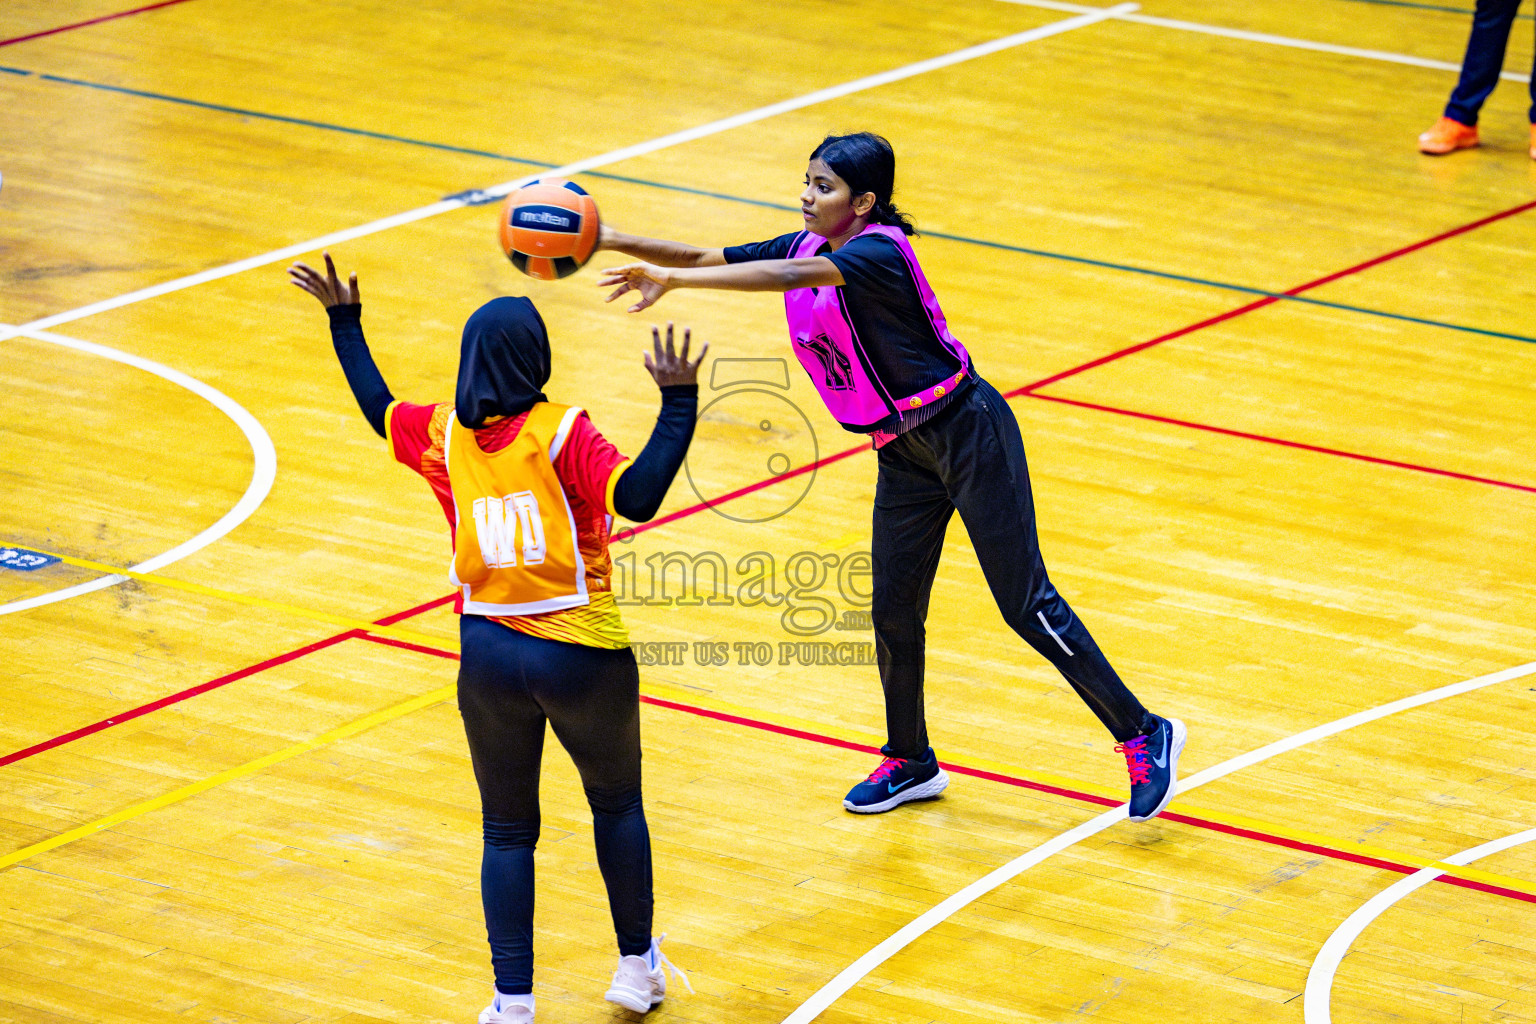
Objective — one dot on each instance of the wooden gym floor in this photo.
(1274, 369)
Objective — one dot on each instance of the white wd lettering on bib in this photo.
(501, 522)
(525, 556)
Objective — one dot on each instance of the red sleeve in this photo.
(417, 434)
(587, 463)
(409, 436)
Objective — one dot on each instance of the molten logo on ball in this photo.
(545, 217)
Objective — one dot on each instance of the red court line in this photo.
(1353, 858)
(214, 684)
(1011, 780)
(175, 698)
(411, 613)
(1374, 460)
(683, 513)
(406, 645)
(1271, 299)
(92, 21)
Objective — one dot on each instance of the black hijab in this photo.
(503, 361)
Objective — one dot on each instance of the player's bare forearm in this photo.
(660, 252)
(760, 275)
(651, 282)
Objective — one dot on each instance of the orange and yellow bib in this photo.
(514, 550)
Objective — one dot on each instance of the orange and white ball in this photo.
(549, 228)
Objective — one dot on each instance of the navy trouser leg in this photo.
(506, 894)
(608, 759)
(505, 729)
(1491, 24)
(912, 510)
(509, 684)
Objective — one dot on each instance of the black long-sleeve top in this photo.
(640, 490)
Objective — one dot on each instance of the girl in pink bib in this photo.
(867, 327)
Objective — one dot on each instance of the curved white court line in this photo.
(1089, 16)
(263, 472)
(856, 971)
(1315, 1004)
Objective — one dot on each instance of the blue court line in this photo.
(473, 196)
(268, 117)
(1147, 272)
(1428, 7)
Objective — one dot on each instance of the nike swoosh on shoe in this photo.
(1167, 742)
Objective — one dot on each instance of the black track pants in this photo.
(970, 458)
(509, 685)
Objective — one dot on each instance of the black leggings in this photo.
(970, 457)
(509, 684)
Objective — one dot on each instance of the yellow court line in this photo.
(701, 700)
(230, 775)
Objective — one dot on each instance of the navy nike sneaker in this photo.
(895, 782)
(1153, 761)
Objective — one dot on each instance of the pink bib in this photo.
(838, 360)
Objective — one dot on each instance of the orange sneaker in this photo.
(1447, 136)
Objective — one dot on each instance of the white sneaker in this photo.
(508, 1013)
(637, 985)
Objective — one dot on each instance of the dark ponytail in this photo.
(867, 163)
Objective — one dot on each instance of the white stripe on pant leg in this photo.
(855, 972)
(1089, 16)
(1051, 631)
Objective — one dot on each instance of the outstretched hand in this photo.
(670, 367)
(651, 282)
(328, 288)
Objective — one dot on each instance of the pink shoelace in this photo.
(1135, 752)
(887, 768)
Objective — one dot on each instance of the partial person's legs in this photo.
(1491, 23)
(1532, 113)
(505, 729)
(1457, 127)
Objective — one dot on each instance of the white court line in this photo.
(1089, 16)
(856, 971)
(1315, 1005)
(1263, 37)
(263, 471)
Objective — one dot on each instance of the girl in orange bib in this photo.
(529, 488)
